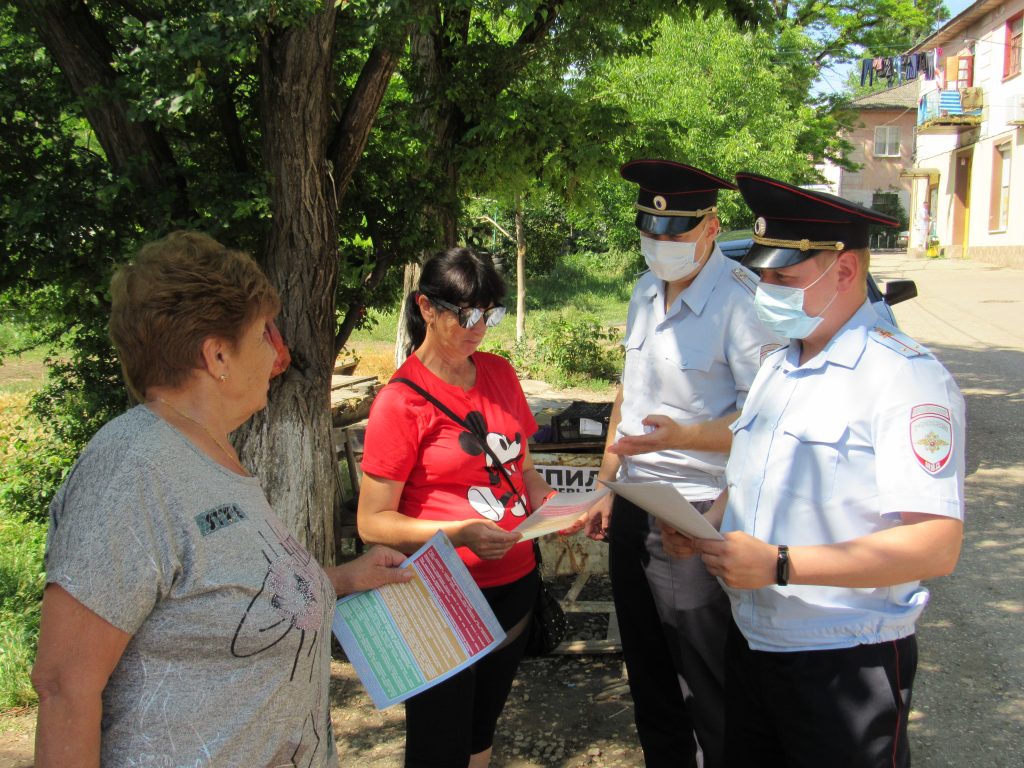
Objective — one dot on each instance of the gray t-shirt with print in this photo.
(229, 661)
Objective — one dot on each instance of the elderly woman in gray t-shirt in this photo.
(182, 624)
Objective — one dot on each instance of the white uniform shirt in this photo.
(693, 363)
(832, 450)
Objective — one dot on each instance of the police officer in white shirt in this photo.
(844, 490)
(693, 345)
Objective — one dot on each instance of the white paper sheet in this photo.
(563, 510)
(666, 503)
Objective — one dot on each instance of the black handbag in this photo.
(548, 625)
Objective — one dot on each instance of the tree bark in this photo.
(291, 440)
(410, 281)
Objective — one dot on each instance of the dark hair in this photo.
(458, 276)
(177, 292)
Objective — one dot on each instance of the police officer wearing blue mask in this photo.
(693, 345)
(844, 490)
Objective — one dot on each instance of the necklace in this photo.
(202, 426)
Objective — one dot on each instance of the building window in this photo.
(887, 141)
(999, 210)
(1011, 64)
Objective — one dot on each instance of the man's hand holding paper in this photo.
(667, 504)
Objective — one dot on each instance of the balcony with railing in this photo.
(949, 111)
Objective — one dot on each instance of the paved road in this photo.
(969, 697)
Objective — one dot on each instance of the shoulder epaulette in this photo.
(745, 279)
(897, 341)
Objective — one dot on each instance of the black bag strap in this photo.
(482, 439)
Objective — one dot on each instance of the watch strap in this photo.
(782, 566)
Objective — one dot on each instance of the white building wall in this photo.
(1003, 102)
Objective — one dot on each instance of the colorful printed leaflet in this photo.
(559, 513)
(404, 638)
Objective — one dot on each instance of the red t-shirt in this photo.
(447, 474)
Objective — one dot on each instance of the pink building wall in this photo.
(879, 174)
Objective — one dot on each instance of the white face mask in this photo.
(669, 260)
(781, 308)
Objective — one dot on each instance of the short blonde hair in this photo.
(176, 293)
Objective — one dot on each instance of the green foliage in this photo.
(888, 203)
(577, 347)
(21, 588)
(573, 327)
(82, 393)
(15, 338)
(546, 230)
(845, 30)
(598, 284)
(565, 350)
(21, 545)
(717, 97)
(33, 469)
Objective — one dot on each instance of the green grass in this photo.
(20, 371)
(21, 586)
(584, 286)
(21, 565)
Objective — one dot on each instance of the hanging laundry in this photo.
(867, 72)
(924, 64)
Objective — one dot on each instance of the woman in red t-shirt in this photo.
(423, 471)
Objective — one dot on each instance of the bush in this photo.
(33, 468)
(570, 351)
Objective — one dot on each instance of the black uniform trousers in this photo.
(673, 617)
(843, 708)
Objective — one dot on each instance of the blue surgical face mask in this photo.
(781, 308)
(670, 260)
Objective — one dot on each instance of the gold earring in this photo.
(223, 377)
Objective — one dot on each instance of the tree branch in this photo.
(227, 116)
(544, 18)
(133, 149)
(497, 226)
(353, 128)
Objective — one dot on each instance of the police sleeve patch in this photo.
(931, 436)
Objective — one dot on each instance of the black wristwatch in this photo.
(782, 566)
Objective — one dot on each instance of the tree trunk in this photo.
(291, 441)
(520, 271)
(410, 281)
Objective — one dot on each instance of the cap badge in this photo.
(660, 202)
(760, 226)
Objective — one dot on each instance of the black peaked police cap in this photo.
(793, 224)
(673, 197)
